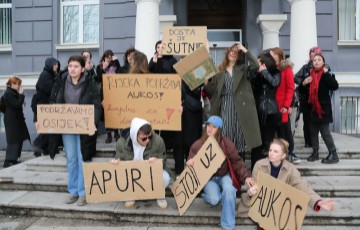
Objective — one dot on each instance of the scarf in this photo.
(314, 91)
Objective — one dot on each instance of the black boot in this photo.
(332, 158)
(314, 156)
(108, 139)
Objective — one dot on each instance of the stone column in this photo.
(147, 26)
(303, 33)
(271, 25)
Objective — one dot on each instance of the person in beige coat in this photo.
(232, 98)
(278, 167)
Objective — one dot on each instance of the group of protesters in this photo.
(251, 104)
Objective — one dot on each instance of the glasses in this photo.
(145, 138)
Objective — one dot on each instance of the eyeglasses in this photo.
(145, 138)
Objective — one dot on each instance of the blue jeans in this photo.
(212, 196)
(74, 162)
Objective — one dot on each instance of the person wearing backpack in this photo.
(14, 121)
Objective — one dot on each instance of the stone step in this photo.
(53, 177)
(36, 223)
(51, 204)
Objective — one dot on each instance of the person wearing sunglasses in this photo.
(142, 143)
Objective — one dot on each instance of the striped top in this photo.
(231, 127)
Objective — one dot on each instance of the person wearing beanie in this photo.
(220, 187)
(319, 84)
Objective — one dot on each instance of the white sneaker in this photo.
(129, 203)
(162, 203)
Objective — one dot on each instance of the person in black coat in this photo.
(14, 121)
(75, 86)
(173, 139)
(264, 84)
(319, 84)
(43, 90)
(109, 64)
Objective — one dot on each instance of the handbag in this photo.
(268, 112)
(234, 177)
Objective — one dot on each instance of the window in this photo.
(80, 21)
(350, 115)
(349, 19)
(5, 22)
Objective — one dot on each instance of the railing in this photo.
(350, 115)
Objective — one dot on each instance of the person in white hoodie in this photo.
(142, 143)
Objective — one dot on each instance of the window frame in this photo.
(81, 5)
(6, 47)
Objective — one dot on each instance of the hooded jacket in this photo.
(44, 85)
(128, 149)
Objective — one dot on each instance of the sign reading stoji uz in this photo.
(65, 118)
(192, 180)
(128, 180)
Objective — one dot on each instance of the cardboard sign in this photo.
(65, 118)
(192, 180)
(196, 68)
(154, 97)
(183, 40)
(277, 205)
(129, 180)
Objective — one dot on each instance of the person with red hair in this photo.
(14, 121)
(284, 95)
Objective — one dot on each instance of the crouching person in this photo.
(220, 187)
(142, 143)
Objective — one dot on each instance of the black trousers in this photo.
(315, 128)
(13, 151)
(42, 142)
(284, 132)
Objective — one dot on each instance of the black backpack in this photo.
(2, 105)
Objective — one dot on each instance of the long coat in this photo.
(243, 98)
(14, 120)
(327, 83)
(289, 175)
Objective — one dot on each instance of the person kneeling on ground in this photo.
(221, 180)
(142, 143)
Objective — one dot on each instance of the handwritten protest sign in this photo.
(192, 180)
(277, 205)
(196, 68)
(65, 118)
(154, 97)
(129, 180)
(183, 40)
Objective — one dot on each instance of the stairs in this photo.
(39, 188)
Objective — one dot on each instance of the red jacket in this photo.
(285, 91)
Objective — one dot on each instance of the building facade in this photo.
(33, 30)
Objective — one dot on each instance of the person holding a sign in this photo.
(15, 127)
(127, 60)
(173, 139)
(221, 180)
(109, 64)
(232, 98)
(278, 167)
(75, 86)
(141, 143)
